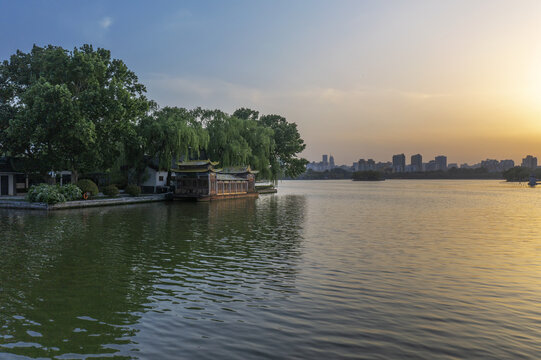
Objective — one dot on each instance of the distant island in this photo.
(515, 174)
(369, 175)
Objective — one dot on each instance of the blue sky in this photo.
(360, 78)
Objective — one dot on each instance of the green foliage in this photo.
(227, 144)
(369, 175)
(238, 141)
(71, 192)
(246, 114)
(83, 111)
(44, 193)
(286, 143)
(89, 186)
(64, 109)
(110, 190)
(519, 173)
(453, 173)
(164, 135)
(333, 174)
(133, 190)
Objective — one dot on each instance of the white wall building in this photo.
(154, 180)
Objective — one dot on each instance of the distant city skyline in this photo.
(425, 159)
(399, 164)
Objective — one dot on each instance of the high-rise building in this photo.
(399, 163)
(417, 162)
(331, 161)
(529, 162)
(441, 162)
(431, 166)
(325, 161)
(361, 165)
(506, 164)
(371, 164)
(491, 165)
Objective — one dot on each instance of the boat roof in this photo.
(196, 166)
(231, 177)
(238, 170)
(205, 166)
(197, 163)
(196, 170)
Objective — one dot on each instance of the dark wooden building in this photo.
(200, 180)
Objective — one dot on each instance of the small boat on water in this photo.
(200, 180)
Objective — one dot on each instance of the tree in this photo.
(287, 144)
(49, 130)
(238, 141)
(245, 113)
(68, 110)
(227, 143)
(517, 173)
(165, 135)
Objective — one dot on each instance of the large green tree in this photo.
(63, 109)
(238, 141)
(165, 135)
(227, 144)
(287, 143)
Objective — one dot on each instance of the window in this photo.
(160, 178)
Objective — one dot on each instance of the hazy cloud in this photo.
(106, 22)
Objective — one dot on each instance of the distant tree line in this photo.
(368, 175)
(519, 173)
(333, 174)
(453, 173)
(83, 111)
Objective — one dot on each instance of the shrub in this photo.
(120, 182)
(110, 190)
(87, 185)
(44, 193)
(133, 190)
(71, 192)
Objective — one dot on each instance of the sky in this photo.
(362, 79)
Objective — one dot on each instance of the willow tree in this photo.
(286, 143)
(163, 136)
(172, 132)
(227, 144)
(237, 141)
(260, 140)
(65, 109)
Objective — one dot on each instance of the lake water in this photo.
(322, 270)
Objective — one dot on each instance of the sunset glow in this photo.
(361, 79)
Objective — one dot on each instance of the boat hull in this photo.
(215, 197)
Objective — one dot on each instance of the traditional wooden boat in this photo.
(200, 180)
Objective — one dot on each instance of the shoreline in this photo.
(20, 204)
(24, 205)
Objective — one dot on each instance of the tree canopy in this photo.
(286, 143)
(68, 109)
(163, 136)
(83, 111)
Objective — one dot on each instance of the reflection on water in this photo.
(324, 269)
(111, 280)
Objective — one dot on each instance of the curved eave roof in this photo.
(197, 163)
(196, 170)
(239, 170)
